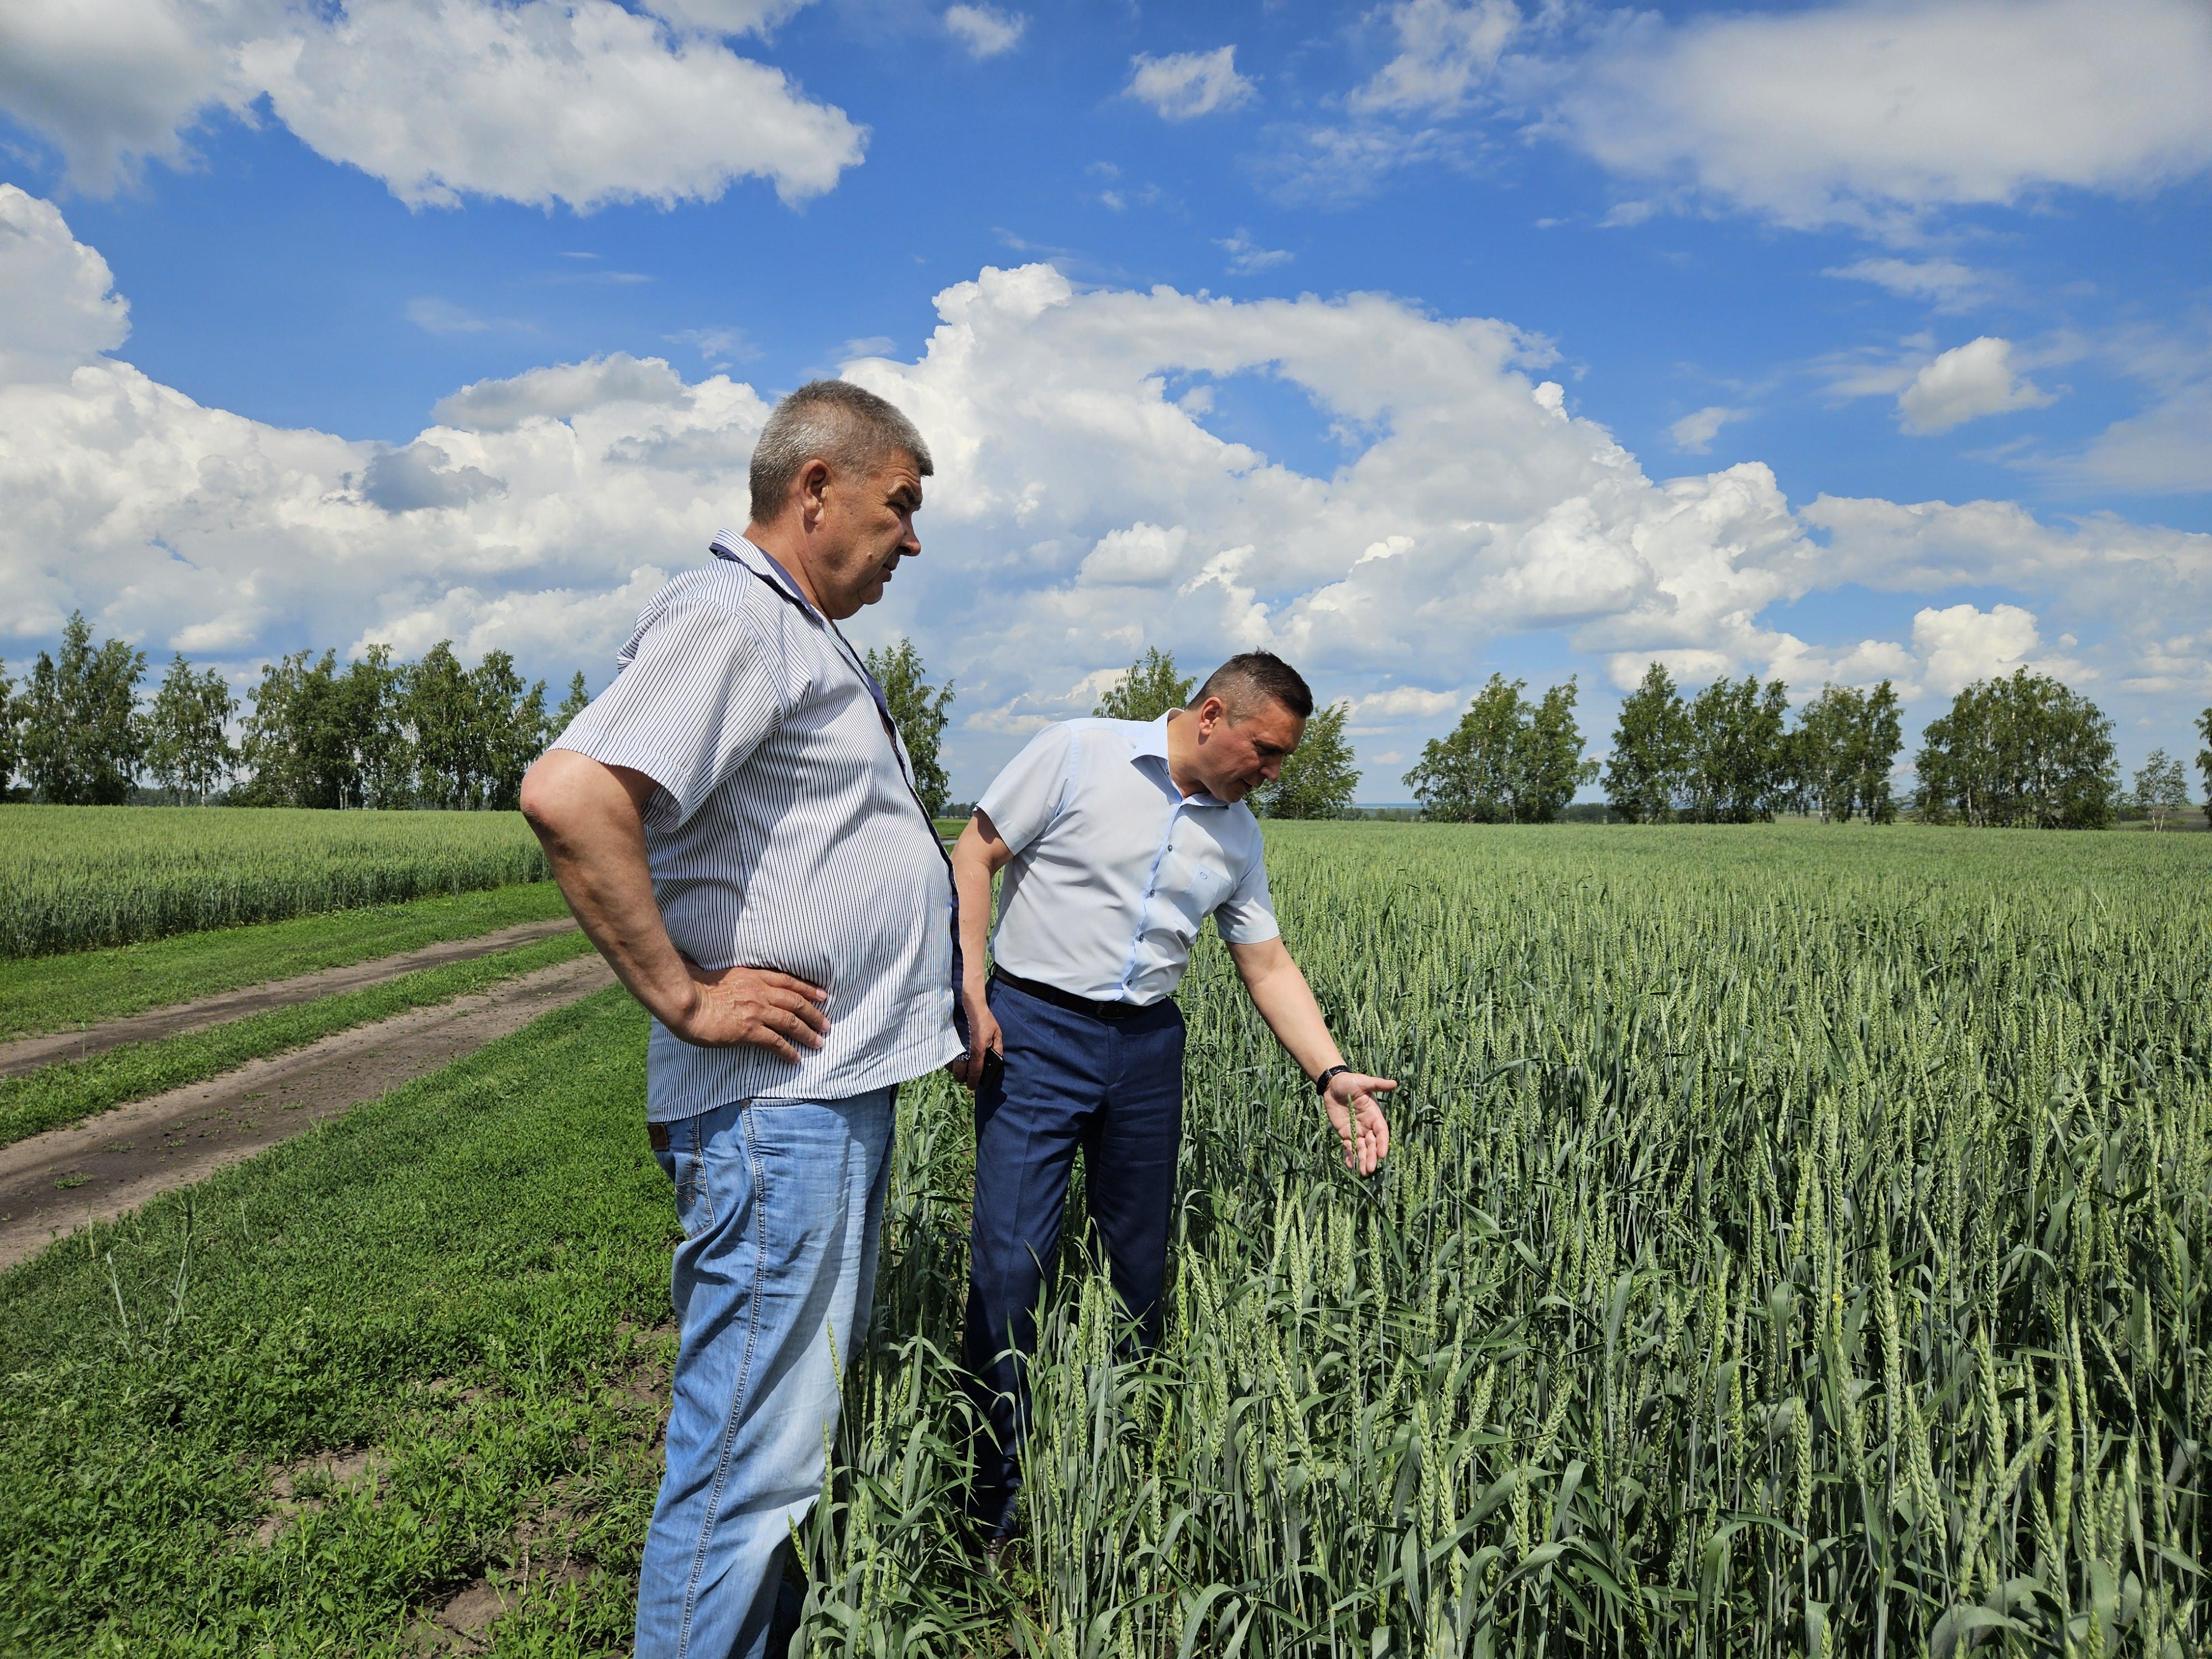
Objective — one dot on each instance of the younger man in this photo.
(1122, 837)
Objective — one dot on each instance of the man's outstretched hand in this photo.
(1357, 1117)
(757, 1006)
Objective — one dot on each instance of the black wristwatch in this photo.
(1321, 1083)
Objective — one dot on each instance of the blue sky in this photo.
(1416, 340)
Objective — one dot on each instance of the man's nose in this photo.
(1271, 770)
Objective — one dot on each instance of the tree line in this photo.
(2018, 751)
(377, 732)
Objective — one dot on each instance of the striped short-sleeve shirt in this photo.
(783, 835)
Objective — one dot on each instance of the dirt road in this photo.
(29, 1054)
(52, 1184)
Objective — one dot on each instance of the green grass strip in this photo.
(466, 1279)
(75, 1088)
(55, 993)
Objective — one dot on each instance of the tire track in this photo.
(29, 1053)
(53, 1184)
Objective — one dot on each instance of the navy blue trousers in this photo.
(1112, 1089)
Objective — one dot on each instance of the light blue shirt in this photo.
(1114, 869)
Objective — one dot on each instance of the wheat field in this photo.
(1792, 1244)
(77, 878)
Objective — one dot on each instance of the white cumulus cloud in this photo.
(1966, 383)
(1187, 84)
(726, 16)
(60, 311)
(1446, 50)
(1946, 283)
(1867, 110)
(1962, 643)
(985, 30)
(1694, 433)
(1248, 259)
(579, 102)
(1084, 508)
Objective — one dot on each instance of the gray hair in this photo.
(849, 429)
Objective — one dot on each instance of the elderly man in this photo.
(734, 824)
(1122, 837)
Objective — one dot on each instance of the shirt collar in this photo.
(1150, 742)
(737, 550)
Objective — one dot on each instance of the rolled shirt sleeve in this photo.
(1247, 916)
(1022, 800)
(700, 695)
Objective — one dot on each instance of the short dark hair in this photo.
(1254, 674)
(833, 421)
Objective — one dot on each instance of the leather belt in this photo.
(1110, 1011)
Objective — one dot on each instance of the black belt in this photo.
(1069, 1000)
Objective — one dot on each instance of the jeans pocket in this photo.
(684, 1164)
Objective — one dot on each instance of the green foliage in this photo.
(74, 1089)
(574, 704)
(387, 735)
(1467, 776)
(1725, 758)
(320, 738)
(1736, 766)
(1148, 690)
(72, 879)
(11, 735)
(513, 722)
(1319, 779)
(1650, 749)
(1507, 761)
(1843, 750)
(54, 993)
(2019, 752)
(2162, 788)
(187, 733)
(918, 710)
(82, 740)
(2204, 757)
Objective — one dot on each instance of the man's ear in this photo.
(813, 492)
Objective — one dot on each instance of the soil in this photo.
(29, 1054)
(54, 1183)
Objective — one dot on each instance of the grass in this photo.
(1792, 1245)
(57, 994)
(72, 1090)
(467, 1280)
(77, 878)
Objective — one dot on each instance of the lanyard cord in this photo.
(789, 590)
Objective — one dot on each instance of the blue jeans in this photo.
(781, 1204)
(1112, 1089)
